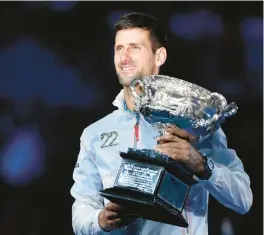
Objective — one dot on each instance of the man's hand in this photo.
(113, 216)
(181, 150)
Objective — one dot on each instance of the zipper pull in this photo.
(136, 131)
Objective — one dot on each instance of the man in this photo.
(140, 49)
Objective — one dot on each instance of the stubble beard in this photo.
(126, 80)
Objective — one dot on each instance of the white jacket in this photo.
(98, 164)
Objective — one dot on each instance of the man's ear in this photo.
(161, 56)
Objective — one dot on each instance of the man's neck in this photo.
(129, 98)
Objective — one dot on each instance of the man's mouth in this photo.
(126, 69)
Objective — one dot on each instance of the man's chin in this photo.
(125, 81)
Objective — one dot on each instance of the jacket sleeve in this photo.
(229, 183)
(85, 190)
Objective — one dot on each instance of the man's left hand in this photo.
(181, 150)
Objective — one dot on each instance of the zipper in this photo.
(136, 126)
(136, 135)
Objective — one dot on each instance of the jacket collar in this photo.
(120, 103)
(119, 100)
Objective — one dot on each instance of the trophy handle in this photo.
(220, 103)
(217, 100)
(230, 109)
(134, 84)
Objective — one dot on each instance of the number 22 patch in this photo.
(109, 139)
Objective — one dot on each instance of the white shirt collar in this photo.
(119, 100)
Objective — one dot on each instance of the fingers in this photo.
(115, 220)
(174, 153)
(113, 224)
(181, 133)
(177, 150)
(112, 211)
(174, 130)
(113, 207)
(114, 216)
(169, 138)
(110, 215)
(182, 145)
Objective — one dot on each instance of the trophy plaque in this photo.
(152, 185)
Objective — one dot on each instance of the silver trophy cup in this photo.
(149, 184)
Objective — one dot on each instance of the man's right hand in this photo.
(113, 217)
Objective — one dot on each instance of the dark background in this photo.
(57, 77)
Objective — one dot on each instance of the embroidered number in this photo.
(109, 139)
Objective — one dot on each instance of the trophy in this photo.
(152, 185)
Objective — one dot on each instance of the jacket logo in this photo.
(109, 139)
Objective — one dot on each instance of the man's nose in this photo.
(125, 56)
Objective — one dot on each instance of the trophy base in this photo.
(147, 206)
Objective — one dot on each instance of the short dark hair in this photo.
(144, 21)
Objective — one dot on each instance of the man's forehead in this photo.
(132, 36)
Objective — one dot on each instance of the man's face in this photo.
(134, 57)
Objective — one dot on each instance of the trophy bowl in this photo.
(165, 101)
(152, 185)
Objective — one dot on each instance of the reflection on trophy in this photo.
(150, 184)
